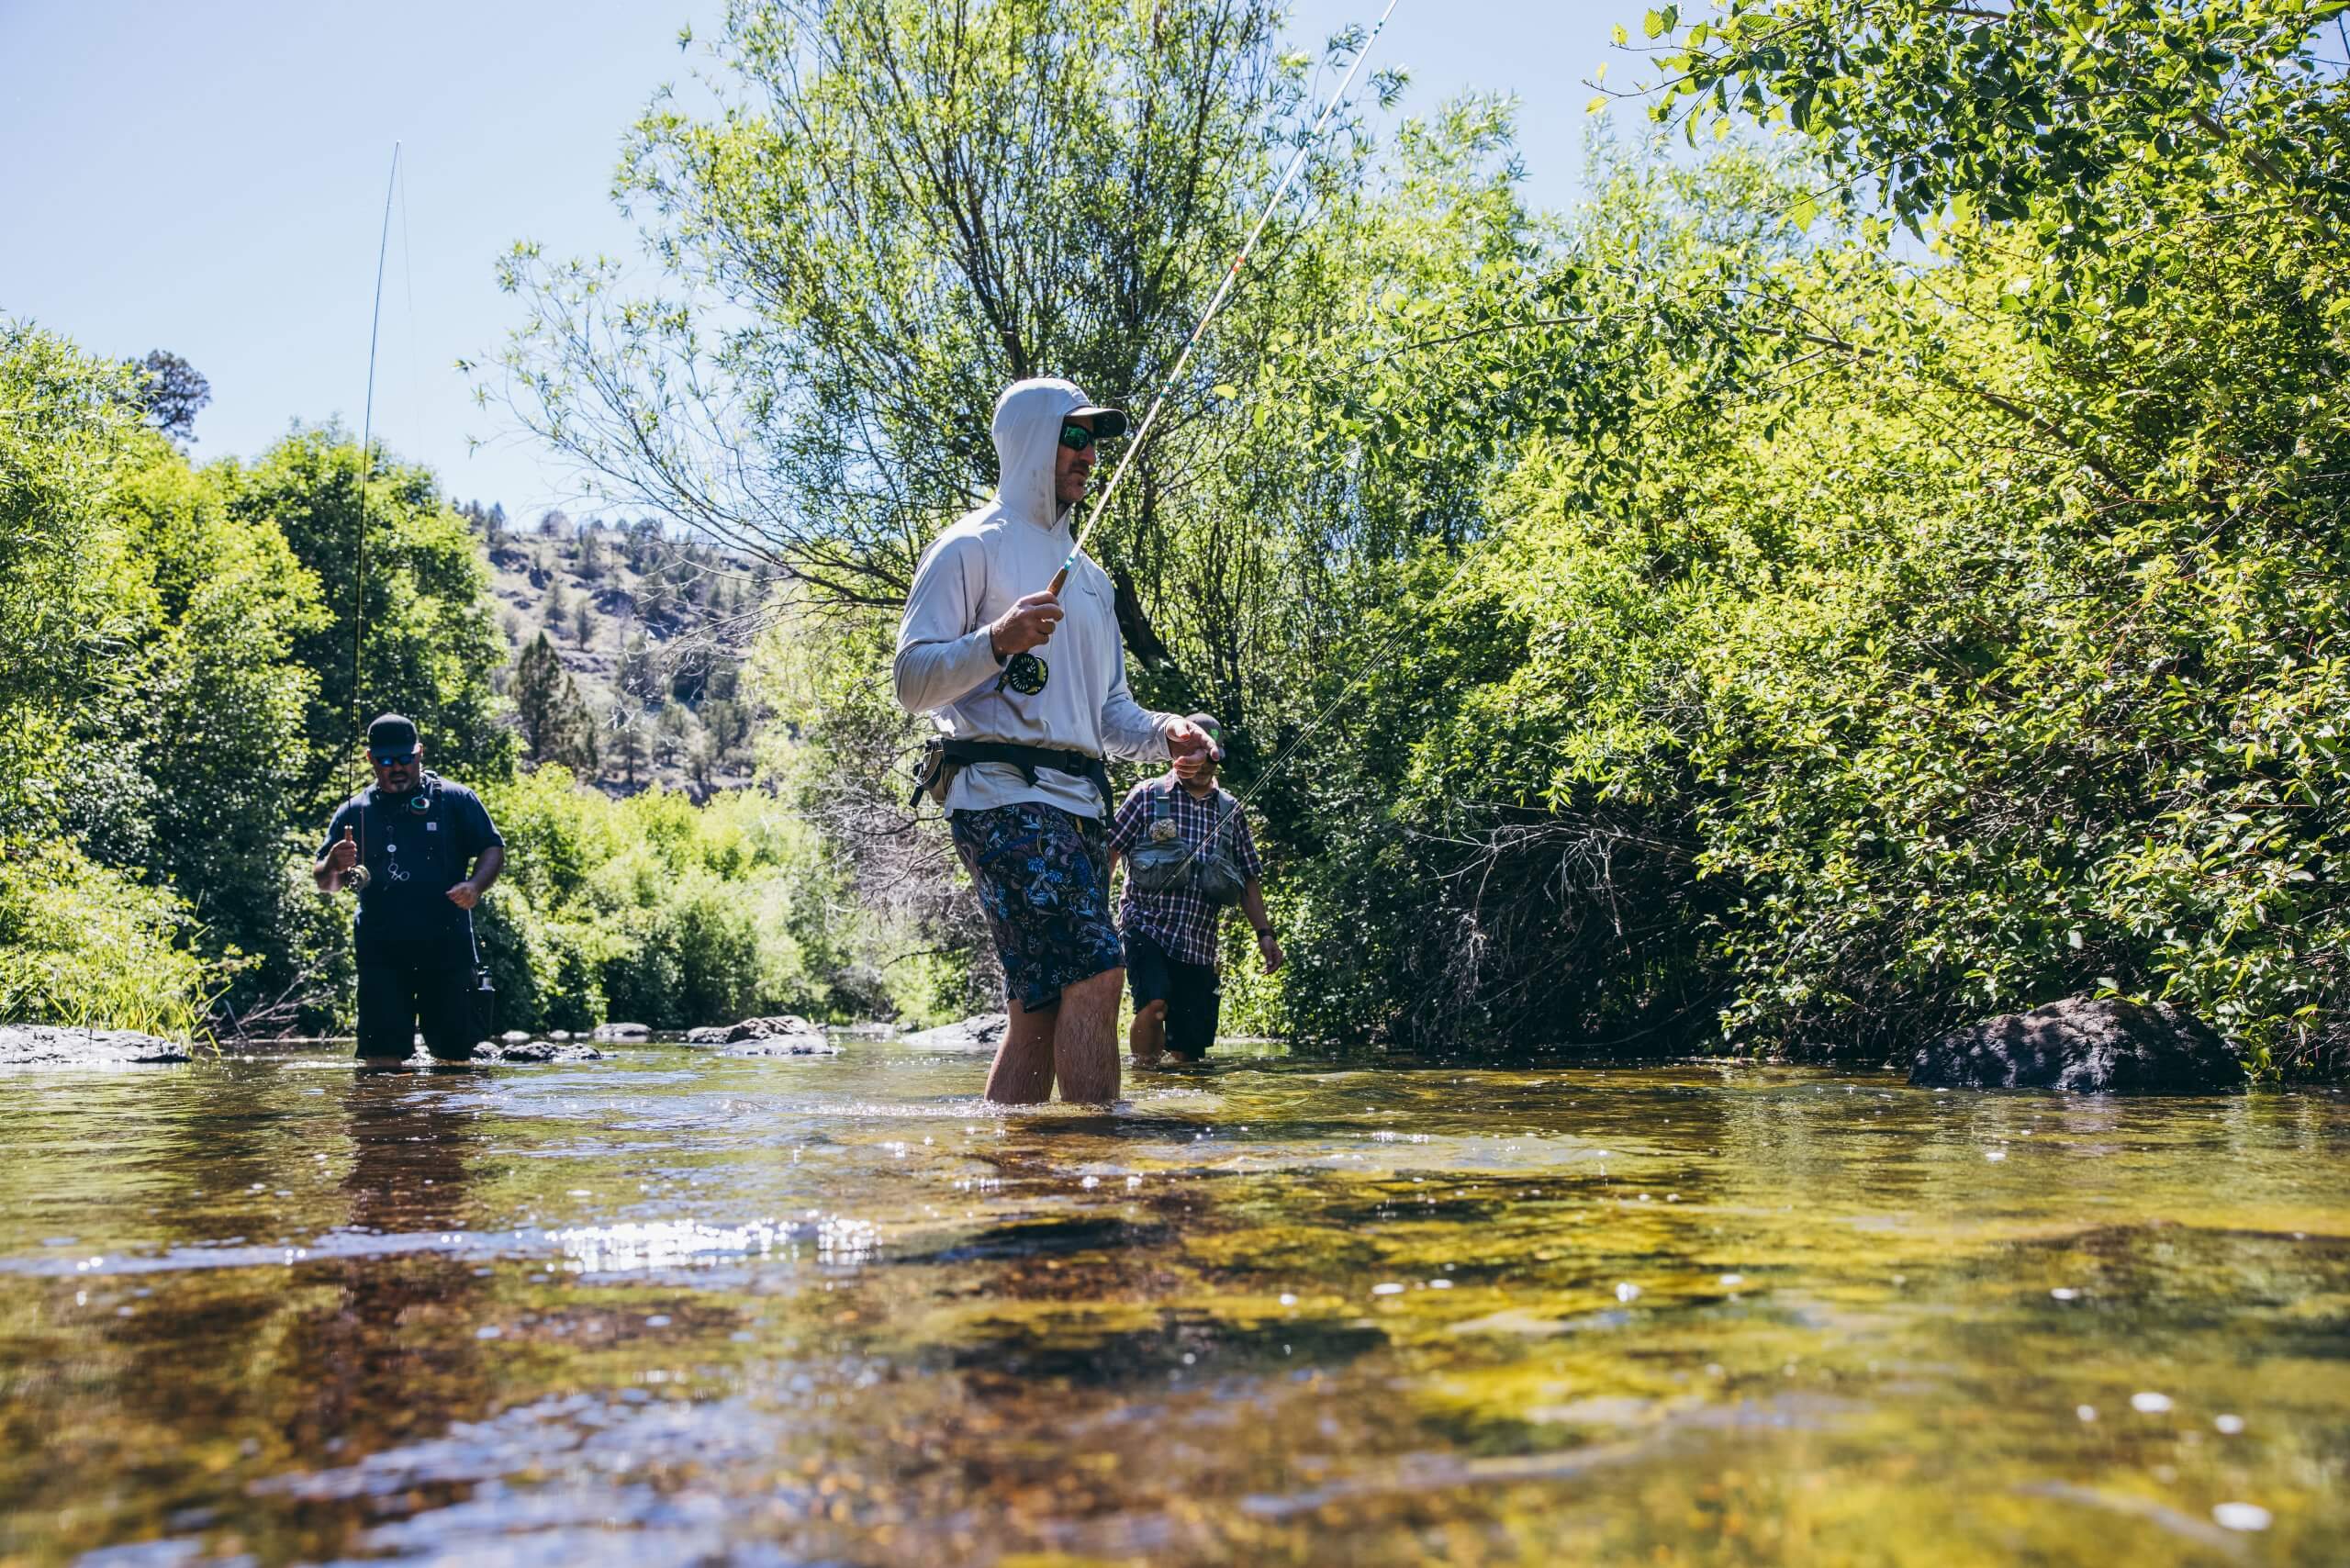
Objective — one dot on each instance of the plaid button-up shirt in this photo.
(1182, 922)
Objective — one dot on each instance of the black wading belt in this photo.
(1027, 758)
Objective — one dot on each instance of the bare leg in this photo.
(1085, 1040)
(1146, 1036)
(1023, 1071)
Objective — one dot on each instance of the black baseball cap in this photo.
(1109, 424)
(391, 732)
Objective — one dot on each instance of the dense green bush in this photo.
(658, 910)
(1866, 645)
(81, 943)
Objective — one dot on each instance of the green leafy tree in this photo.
(2064, 115)
(64, 582)
(217, 736)
(1876, 644)
(150, 715)
(908, 207)
(431, 636)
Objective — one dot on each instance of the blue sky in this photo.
(209, 179)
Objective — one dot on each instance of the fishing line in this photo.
(1377, 659)
(1223, 292)
(367, 435)
(367, 439)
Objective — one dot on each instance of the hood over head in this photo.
(1027, 431)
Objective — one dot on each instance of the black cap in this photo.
(391, 732)
(1109, 424)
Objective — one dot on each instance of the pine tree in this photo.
(555, 722)
(638, 678)
(626, 744)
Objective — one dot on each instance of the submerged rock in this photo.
(620, 1032)
(814, 1044)
(779, 1026)
(530, 1050)
(2084, 1047)
(983, 1033)
(49, 1045)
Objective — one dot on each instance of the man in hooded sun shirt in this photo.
(1029, 691)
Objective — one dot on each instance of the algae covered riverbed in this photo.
(678, 1308)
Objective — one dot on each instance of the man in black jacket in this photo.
(422, 851)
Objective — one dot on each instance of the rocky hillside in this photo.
(648, 632)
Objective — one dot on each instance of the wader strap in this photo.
(1028, 758)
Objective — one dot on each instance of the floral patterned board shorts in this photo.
(1043, 876)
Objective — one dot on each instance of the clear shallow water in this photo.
(677, 1308)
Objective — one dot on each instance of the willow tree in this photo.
(886, 210)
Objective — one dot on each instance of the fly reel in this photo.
(1026, 673)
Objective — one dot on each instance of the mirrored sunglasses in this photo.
(392, 758)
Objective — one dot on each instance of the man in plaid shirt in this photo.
(1170, 936)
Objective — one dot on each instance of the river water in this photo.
(675, 1308)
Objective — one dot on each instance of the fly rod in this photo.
(1224, 291)
(367, 433)
(366, 443)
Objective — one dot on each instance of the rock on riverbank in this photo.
(779, 1034)
(48, 1044)
(2084, 1047)
(983, 1033)
(778, 1026)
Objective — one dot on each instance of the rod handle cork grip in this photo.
(1060, 581)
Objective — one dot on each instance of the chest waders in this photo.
(419, 819)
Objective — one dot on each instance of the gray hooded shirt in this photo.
(978, 568)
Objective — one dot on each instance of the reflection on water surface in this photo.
(672, 1308)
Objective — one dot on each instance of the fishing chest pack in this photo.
(1163, 863)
